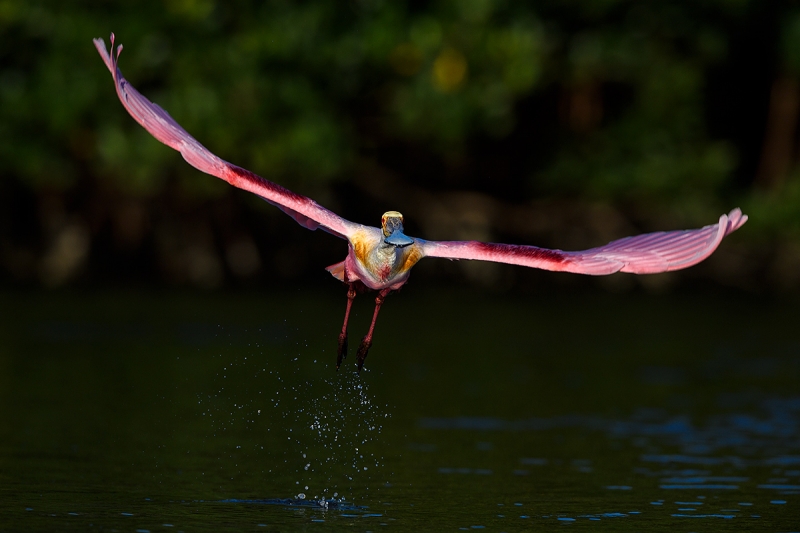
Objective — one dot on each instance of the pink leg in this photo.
(342, 353)
(366, 342)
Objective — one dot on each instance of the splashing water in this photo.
(287, 420)
(343, 424)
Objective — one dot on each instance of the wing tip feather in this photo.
(108, 55)
(723, 229)
(736, 220)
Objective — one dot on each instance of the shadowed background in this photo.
(558, 123)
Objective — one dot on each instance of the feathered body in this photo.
(374, 263)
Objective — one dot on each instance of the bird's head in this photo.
(392, 226)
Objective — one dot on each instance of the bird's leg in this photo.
(342, 353)
(366, 342)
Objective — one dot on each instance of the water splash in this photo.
(341, 426)
(293, 418)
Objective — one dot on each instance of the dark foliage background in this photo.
(558, 123)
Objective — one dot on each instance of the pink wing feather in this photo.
(164, 128)
(650, 253)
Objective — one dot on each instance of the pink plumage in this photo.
(643, 254)
(381, 258)
(164, 128)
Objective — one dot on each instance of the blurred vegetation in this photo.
(558, 123)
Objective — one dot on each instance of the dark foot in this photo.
(342, 353)
(361, 354)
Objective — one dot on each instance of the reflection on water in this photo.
(724, 440)
(144, 412)
(730, 443)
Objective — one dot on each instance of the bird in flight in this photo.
(381, 259)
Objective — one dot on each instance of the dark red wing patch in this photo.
(246, 175)
(527, 252)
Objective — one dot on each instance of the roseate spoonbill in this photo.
(381, 258)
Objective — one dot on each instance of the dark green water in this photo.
(132, 412)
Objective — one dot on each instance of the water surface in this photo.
(167, 412)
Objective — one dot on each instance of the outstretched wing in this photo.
(163, 127)
(650, 253)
